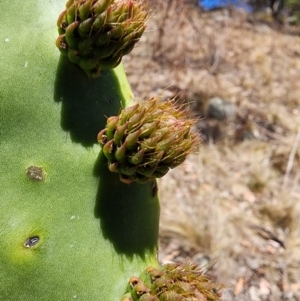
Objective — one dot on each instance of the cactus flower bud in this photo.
(95, 34)
(147, 139)
(174, 282)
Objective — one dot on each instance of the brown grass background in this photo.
(234, 206)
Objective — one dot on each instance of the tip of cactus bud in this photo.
(147, 139)
(172, 282)
(96, 34)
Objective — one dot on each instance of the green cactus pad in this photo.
(69, 229)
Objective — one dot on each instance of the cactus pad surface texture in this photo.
(69, 229)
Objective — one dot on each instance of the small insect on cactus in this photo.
(75, 221)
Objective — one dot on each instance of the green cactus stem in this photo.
(96, 34)
(69, 229)
(147, 139)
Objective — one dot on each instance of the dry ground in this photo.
(234, 206)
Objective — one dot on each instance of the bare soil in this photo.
(234, 206)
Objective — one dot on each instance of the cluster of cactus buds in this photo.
(147, 139)
(96, 34)
(172, 282)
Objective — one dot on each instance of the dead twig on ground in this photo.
(291, 159)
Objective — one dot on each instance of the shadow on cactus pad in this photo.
(130, 222)
(85, 102)
(128, 216)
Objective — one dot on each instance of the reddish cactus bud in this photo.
(174, 282)
(147, 139)
(95, 34)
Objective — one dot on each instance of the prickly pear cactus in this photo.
(75, 221)
(69, 229)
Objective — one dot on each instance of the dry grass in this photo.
(236, 203)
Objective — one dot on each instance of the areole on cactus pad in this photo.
(69, 228)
